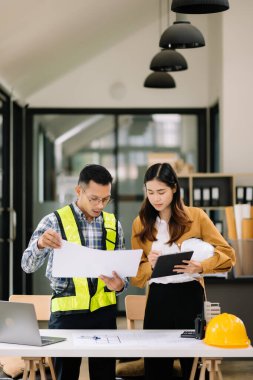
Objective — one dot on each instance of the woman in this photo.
(166, 226)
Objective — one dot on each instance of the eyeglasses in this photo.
(94, 201)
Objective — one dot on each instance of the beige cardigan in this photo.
(202, 228)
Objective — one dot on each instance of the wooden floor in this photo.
(237, 370)
(231, 370)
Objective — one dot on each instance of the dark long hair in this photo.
(179, 220)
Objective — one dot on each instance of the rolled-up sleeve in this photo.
(224, 255)
(144, 270)
(33, 257)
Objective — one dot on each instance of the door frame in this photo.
(13, 134)
(4, 253)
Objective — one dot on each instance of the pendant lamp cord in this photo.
(168, 13)
(164, 6)
(160, 18)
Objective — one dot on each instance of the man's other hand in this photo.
(113, 283)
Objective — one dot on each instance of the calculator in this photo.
(188, 334)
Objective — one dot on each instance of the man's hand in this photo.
(113, 283)
(152, 257)
(50, 239)
(191, 266)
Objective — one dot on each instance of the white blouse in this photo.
(201, 251)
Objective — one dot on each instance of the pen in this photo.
(89, 337)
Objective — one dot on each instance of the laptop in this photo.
(19, 325)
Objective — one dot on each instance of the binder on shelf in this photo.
(206, 196)
(247, 228)
(219, 225)
(197, 197)
(182, 193)
(249, 194)
(239, 194)
(215, 196)
(230, 218)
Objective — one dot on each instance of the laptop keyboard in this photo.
(50, 339)
(45, 340)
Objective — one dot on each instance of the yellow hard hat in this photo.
(226, 330)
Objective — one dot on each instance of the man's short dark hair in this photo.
(96, 173)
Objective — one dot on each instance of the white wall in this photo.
(220, 71)
(115, 77)
(237, 84)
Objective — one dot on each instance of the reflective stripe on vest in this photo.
(82, 299)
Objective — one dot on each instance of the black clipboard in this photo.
(165, 263)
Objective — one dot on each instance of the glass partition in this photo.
(146, 139)
(63, 145)
(5, 242)
(125, 143)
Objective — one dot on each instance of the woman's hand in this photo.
(190, 266)
(152, 257)
(114, 283)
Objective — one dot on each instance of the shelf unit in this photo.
(227, 195)
(224, 182)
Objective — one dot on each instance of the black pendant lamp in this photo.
(168, 60)
(181, 35)
(159, 80)
(199, 6)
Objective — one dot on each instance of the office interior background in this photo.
(71, 76)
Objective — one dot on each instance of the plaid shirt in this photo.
(33, 257)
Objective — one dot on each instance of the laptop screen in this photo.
(17, 317)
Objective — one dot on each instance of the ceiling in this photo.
(42, 40)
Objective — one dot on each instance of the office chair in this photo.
(42, 309)
(135, 309)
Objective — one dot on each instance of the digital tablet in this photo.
(165, 263)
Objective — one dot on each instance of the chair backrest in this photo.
(135, 309)
(41, 304)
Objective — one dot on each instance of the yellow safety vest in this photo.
(83, 299)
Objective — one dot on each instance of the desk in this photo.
(133, 343)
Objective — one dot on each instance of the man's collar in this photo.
(82, 215)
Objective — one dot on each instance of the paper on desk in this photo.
(128, 338)
(73, 260)
(90, 339)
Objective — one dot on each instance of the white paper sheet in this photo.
(128, 338)
(88, 339)
(73, 260)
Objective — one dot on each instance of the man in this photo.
(81, 303)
